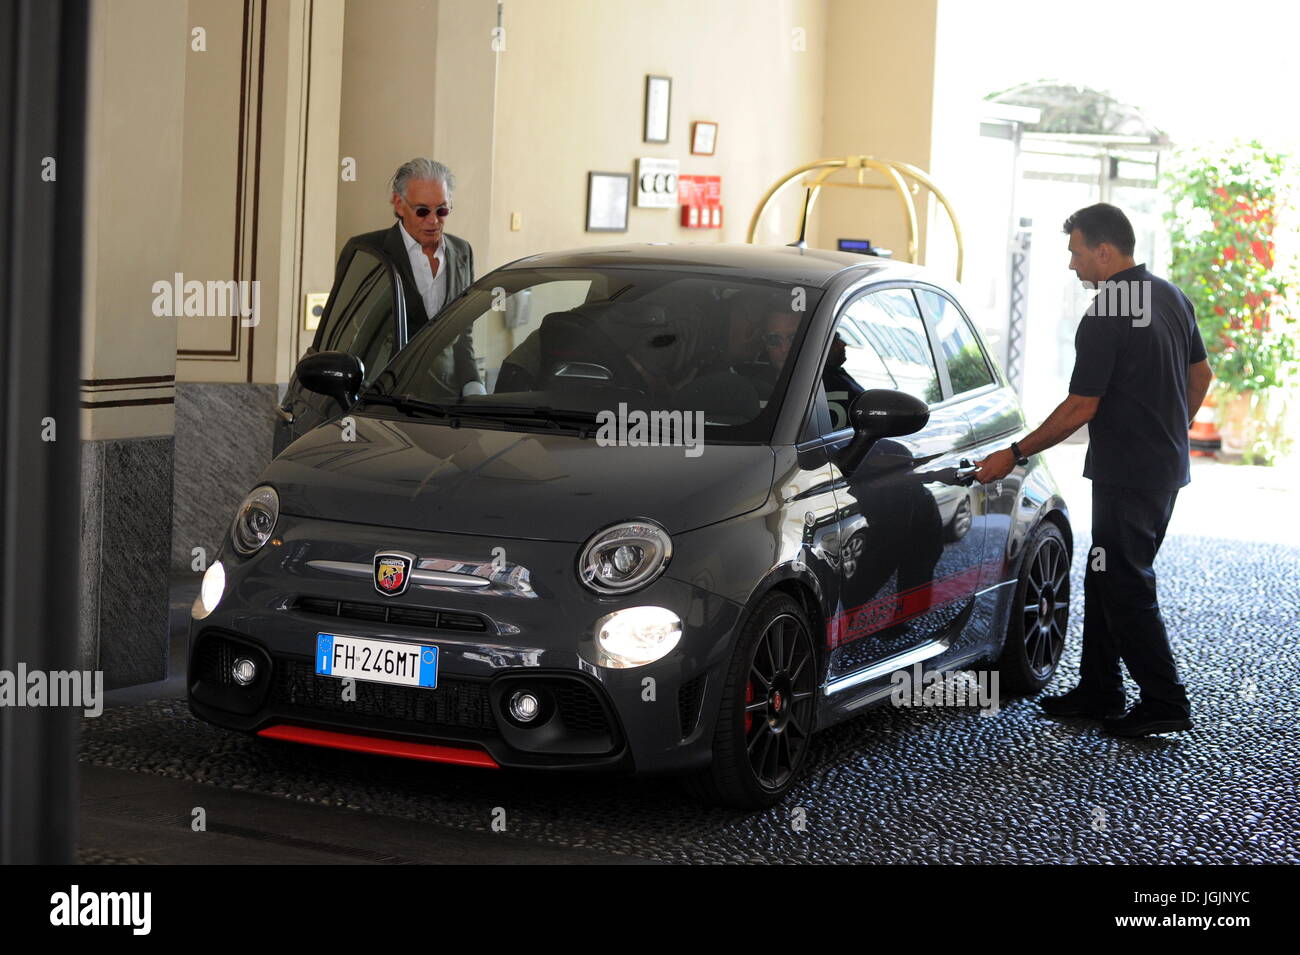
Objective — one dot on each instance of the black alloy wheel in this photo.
(1040, 614)
(768, 709)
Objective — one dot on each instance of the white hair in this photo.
(421, 170)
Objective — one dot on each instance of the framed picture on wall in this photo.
(607, 201)
(658, 102)
(704, 138)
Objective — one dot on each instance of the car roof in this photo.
(778, 263)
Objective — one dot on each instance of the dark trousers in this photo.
(1121, 617)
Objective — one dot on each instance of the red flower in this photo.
(1263, 253)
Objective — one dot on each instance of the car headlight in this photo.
(210, 592)
(255, 520)
(624, 557)
(635, 636)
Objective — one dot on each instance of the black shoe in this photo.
(1142, 720)
(1075, 703)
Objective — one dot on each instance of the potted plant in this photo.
(1224, 208)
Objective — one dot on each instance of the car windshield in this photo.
(567, 348)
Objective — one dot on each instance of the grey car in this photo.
(712, 499)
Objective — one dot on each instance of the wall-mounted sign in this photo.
(607, 195)
(701, 200)
(658, 101)
(656, 182)
(704, 138)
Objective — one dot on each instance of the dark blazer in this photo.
(460, 259)
(459, 367)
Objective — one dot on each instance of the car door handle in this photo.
(965, 474)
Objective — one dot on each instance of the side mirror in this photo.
(880, 413)
(335, 374)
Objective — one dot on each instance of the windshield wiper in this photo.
(542, 412)
(552, 416)
(403, 403)
(556, 418)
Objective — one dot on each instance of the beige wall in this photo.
(880, 60)
(134, 215)
(465, 116)
(570, 99)
(260, 171)
(386, 112)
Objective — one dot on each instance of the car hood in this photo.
(510, 484)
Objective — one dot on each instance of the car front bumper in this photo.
(531, 629)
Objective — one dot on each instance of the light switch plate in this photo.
(313, 309)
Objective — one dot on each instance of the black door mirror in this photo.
(881, 413)
(335, 374)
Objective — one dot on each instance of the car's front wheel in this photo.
(767, 710)
(1040, 613)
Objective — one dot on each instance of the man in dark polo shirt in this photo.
(1140, 374)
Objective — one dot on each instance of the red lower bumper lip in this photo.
(431, 752)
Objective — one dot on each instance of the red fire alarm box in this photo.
(701, 201)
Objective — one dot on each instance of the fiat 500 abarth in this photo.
(638, 508)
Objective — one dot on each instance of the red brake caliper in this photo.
(749, 698)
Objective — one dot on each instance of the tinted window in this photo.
(852, 367)
(361, 318)
(889, 322)
(957, 343)
(879, 342)
(590, 340)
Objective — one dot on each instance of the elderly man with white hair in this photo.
(434, 265)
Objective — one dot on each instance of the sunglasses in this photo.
(775, 340)
(422, 211)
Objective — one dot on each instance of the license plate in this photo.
(378, 661)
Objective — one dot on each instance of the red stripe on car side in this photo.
(386, 747)
(854, 623)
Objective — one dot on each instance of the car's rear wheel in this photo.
(1040, 613)
(766, 714)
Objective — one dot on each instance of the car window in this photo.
(852, 367)
(600, 339)
(889, 322)
(957, 343)
(505, 334)
(362, 319)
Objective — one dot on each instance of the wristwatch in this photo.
(1020, 456)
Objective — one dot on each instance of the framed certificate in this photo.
(607, 201)
(704, 138)
(658, 101)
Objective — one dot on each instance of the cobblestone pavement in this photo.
(893, 785)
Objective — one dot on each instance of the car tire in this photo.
(1040, 613)
(763, 733)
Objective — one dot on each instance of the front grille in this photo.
(688, 704)
(426, 617)
(455, 702)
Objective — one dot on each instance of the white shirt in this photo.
(432, 289)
